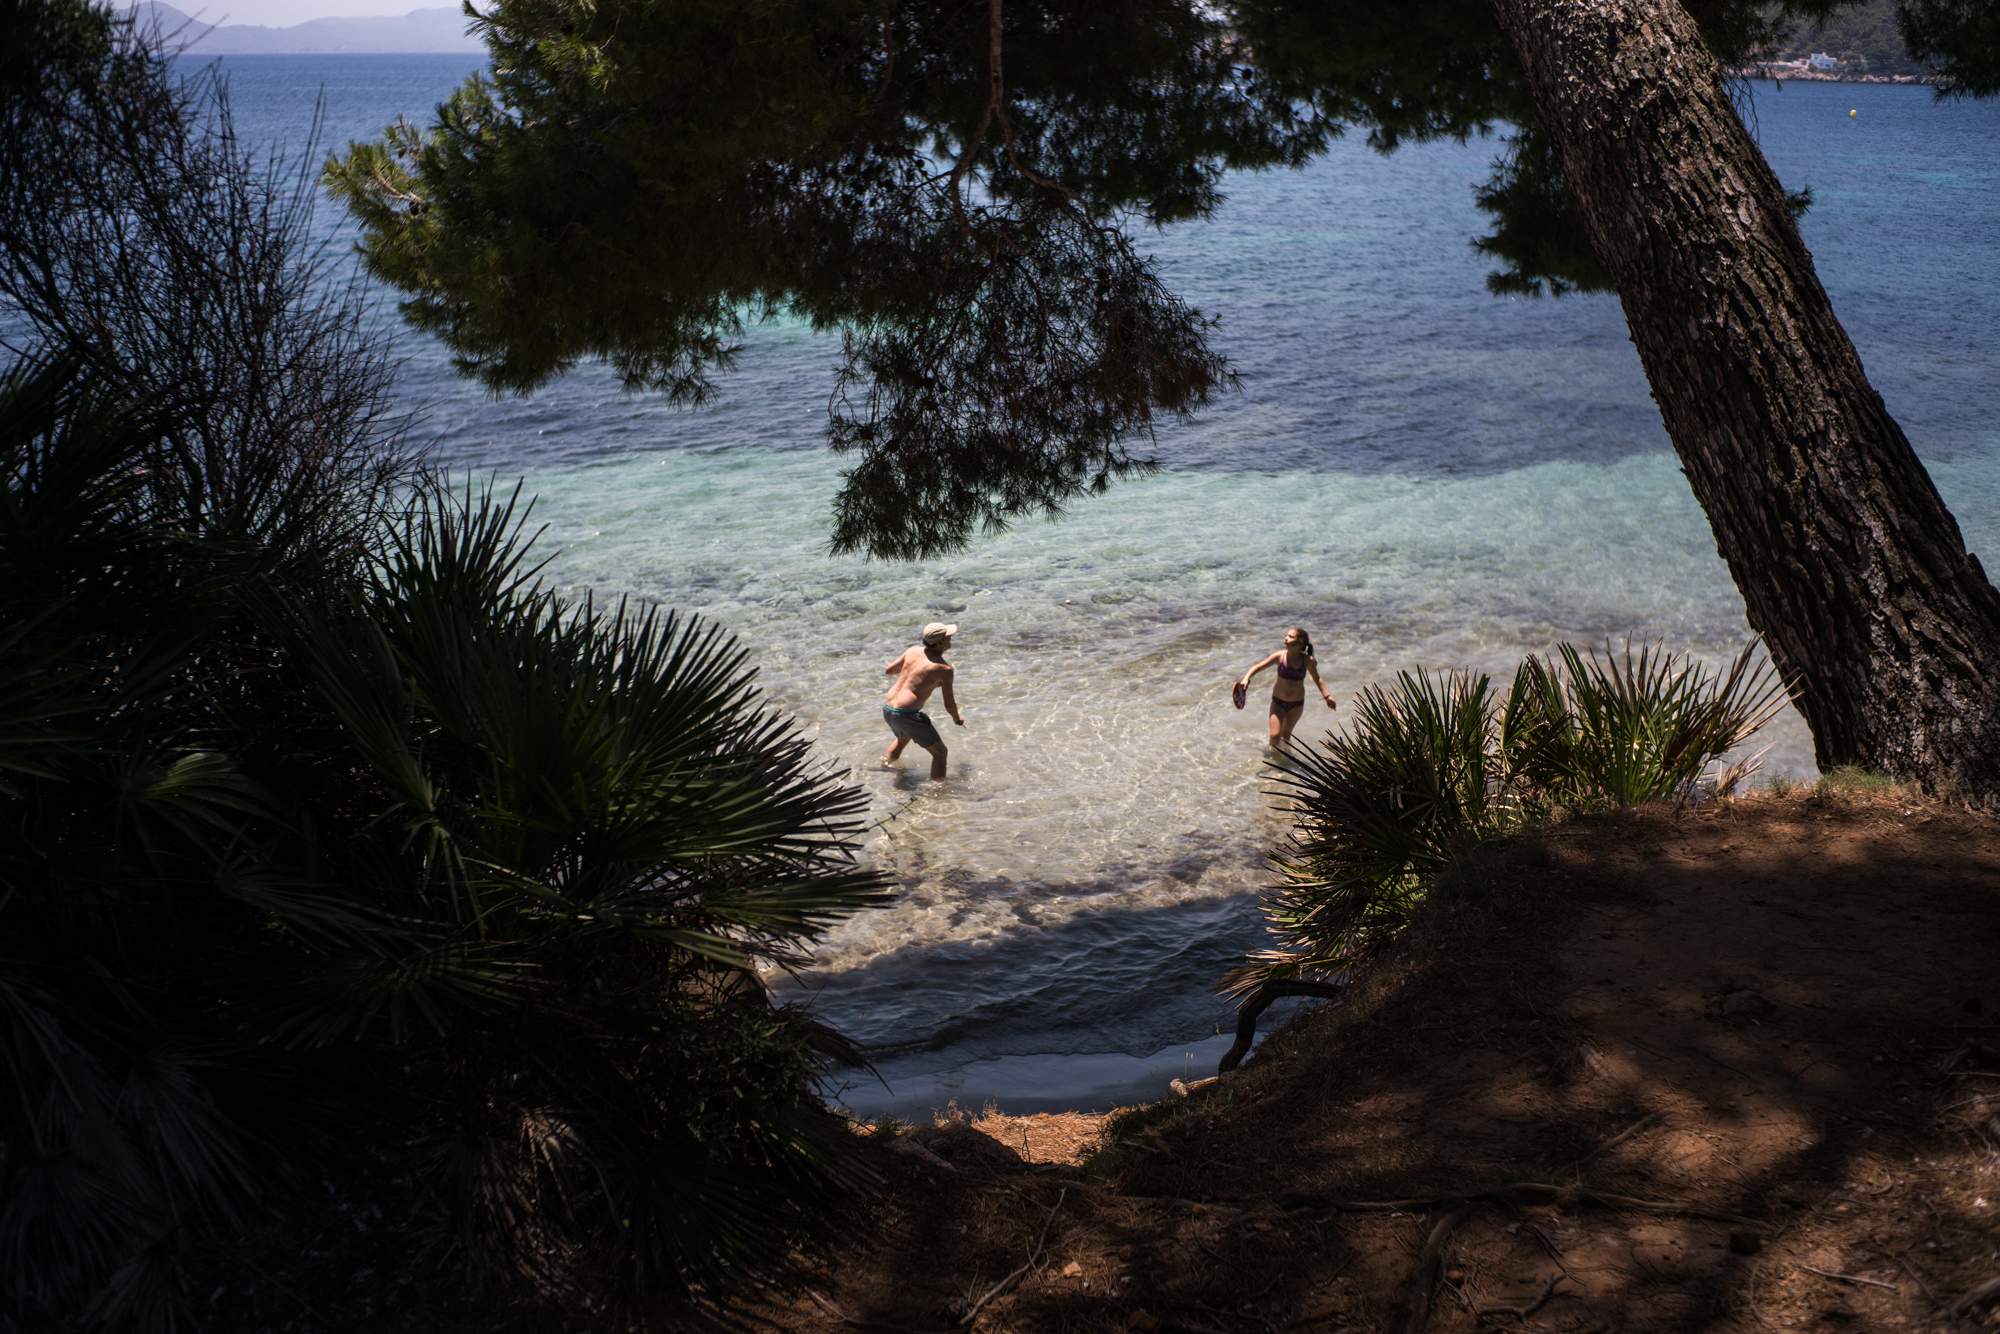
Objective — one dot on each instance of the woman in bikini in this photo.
(1295, 661)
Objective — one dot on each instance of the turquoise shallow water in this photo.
(1422, 474)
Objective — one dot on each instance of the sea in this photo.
(1420, 473)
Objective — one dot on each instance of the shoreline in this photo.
(1638, 1064)
(1037, 1083)
(1778, 73)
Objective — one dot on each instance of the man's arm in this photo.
(896, 665)
(950, 704)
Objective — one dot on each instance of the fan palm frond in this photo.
(1436, 763)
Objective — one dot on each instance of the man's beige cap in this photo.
(938, 630)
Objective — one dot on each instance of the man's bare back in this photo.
(917, 675)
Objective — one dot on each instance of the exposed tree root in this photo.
(1260, 1000)
(1417, 1304)
(858, 1322)
(1620, 1137)
(1034, 1258)
(1523, 1192)
(1985, 1293)
(915, 1150)
(1846, 1278)
(1526, 1309)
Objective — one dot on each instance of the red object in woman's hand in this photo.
(1239, 693)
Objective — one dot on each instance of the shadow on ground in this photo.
(1729, 1069)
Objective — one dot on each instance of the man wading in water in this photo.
(920, 669)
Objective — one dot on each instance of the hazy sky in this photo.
(284, 13)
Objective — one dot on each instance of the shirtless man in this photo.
(920, 669)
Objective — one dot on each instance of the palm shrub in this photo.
(1437, 763)
(118, 1128)
(138, 1100)
(1376, 812)
(1583, 730)
(585, 832)
(336, 847)
(483, 914)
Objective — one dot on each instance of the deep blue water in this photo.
(1419, 472)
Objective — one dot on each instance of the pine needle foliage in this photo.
(1960, 38)
(959, 191)
(1438, 763)
(944, 186)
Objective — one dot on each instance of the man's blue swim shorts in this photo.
(911, 725)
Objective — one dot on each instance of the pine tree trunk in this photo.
(1850, 565)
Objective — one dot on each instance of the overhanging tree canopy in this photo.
(950, 188)
(634, 181)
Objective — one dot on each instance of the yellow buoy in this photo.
(1852, 113)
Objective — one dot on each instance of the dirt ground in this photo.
(1733, 1068)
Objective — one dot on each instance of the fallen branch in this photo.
(1929, 1296)
(996, 1290)
(1034, 1256)
(1548, 1244)
(915, 1150)
(859, 1322)
(1620, 1137)
(1989, 1291)
(1183, 1202)
(1524, 1311)
(1260, 1000)
(1235, 1317)
(1846, 1278)
(1524, 1192)
(1417, 1306)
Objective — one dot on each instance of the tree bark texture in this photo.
(1849, 563)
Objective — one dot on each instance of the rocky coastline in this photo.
(1782, 71)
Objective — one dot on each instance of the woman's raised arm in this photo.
(1244, 680)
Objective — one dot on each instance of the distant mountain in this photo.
(419, 30)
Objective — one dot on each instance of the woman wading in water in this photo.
(1295, 661)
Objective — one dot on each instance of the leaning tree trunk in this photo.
(1850, 565)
